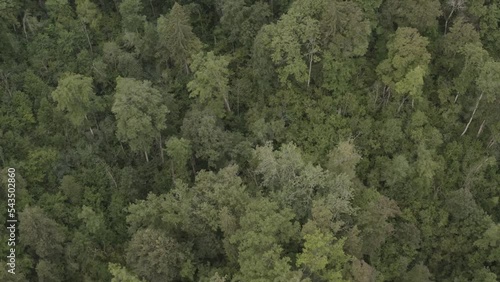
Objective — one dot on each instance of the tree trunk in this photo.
(447, 20)
(481, 128)
(111, 175)
(152, 8)
(24, 25)
(473, 113)
(402, 103)
(226, 102)
(172, 169)
(193, 165)
(87, 35)
(310, 67)
(161, 151)
(90, 127)
(146, 154)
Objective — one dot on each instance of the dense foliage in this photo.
(244, 140)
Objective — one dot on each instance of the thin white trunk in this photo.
(90, 127)
(161, 151)
(310, 67)
(481, 128)
(473, 113)
(447, 20)
(226, 102)
(87, 35)
(146, 154)
(402, 103)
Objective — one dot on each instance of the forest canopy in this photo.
(253, 141)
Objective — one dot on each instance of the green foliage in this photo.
(176, 38)
(131, 15)
(294, 183)
(345, 29)
(157, 257)
(211, 82)
(241, 22)
(264, 227)
(41, 234)
(88, 12)
(407, 62)
(138, 124)
(121, 274)
(293, 141)
(75, 94)
(179, 152)
(421, 14)
(323, 255)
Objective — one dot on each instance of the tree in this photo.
(208, 138)
(264, 229)
(291, 39)
(176, 38)
(344, 29)
(406, 64)
(138, 123)
(179, 152)
(488, 85)
(374, 222)
(323, 255)
(41, 233)
(420, 14)
(242, 22)
(460, 34)
(75, 94)
(89, 15)
(157, 257)
(292, 183)
(211, 81)
(121, 274)
(132, 19)
(343, 159)
(455, 6)
(219, 194)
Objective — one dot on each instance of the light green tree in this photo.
(211, 81)
(264, 229)
(138, 123)
(89, 15)
(131, 13)
(323, 255)
(75, 95)
(406, 64)
(294, 45)
(179, 151)
(121, 274)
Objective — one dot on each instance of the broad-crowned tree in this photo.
(420, 14)
(322, 256)
(208, 138)
(210, 84)
(121, 274)
(294, 45)
(293, 183)
(89, 15)
(406, 64)
(138, 123)
(240, 23)
(157, 257)
(75, 95)
(265, 229)
(132, 17)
